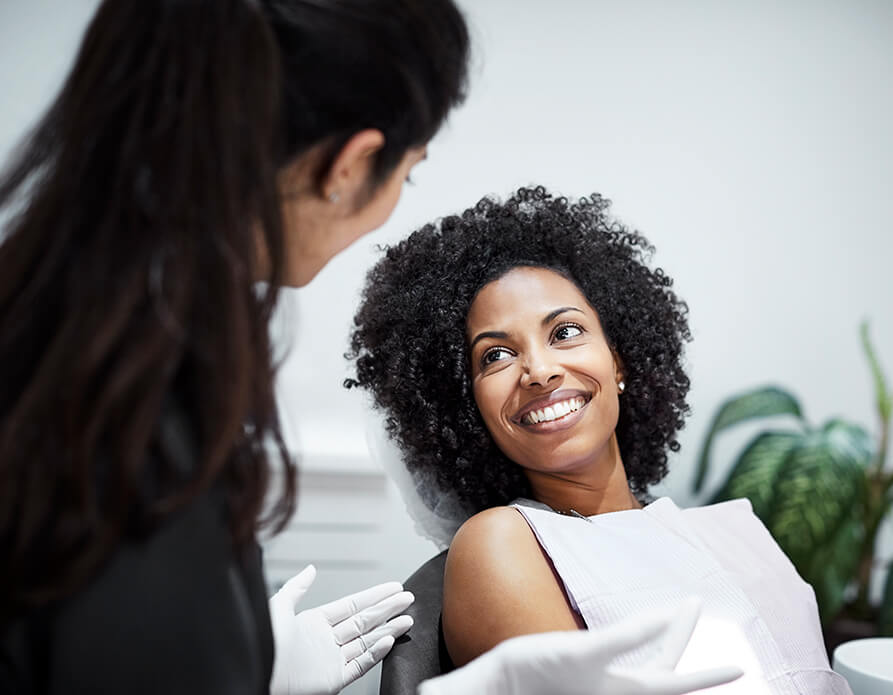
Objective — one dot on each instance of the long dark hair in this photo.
(136, 211)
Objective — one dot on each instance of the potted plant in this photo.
(823, 493)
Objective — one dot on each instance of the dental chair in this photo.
(421, 653)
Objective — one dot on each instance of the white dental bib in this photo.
(757, 612)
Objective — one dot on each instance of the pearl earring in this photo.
(620, 386)
(333, 197)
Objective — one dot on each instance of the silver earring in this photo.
(620, 386)
(333, 197)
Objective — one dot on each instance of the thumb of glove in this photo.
(293, 590)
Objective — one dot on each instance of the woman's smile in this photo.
(559, 410)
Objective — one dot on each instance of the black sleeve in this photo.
(175, 613)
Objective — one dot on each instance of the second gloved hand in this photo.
(321, 650)
(580, 663)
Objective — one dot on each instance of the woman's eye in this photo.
(495, 355)
(567, 331)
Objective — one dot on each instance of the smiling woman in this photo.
(538, 375)
(412, 341)
(547, 371)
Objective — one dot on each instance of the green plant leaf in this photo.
(753, 474)
(808, 489)
(819, 487)
(885, 615)
(830, 568)
(761, 402)
(883, 397)
(849, 440)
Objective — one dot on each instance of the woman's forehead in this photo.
(523, 293)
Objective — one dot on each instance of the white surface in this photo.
(867, 664)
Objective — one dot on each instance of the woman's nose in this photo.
(540, 370)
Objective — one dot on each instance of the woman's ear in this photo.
(618, 372)
(351, 169)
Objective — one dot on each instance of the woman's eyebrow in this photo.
(502, 335)
(499, 335)
(552, 314)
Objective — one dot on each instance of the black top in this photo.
(181, 611)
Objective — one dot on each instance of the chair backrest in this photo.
(421, 653)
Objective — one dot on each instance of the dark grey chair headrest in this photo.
(421, 653)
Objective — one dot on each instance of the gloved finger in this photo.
(395, 628)
(677, 635)
(342, 608)
(295, 588)
(372, 617)
(357, 667)
(629, 633)
(668, 683)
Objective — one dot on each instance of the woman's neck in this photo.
(595, 489)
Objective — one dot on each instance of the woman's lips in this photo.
(562, 423)
(555, 410)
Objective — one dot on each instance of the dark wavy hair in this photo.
(130, 253)
(410, 347)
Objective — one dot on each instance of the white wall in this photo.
(751, 142)
(38, 39)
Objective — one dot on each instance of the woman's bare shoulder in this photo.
(493, 525)
(499, 584)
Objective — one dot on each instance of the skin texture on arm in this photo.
(498, 583)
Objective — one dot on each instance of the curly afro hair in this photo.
(410, 349)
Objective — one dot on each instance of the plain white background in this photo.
(751, 142)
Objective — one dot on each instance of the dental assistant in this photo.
(196, 148)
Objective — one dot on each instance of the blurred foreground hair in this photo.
(137, 214)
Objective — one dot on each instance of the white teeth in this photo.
(554, 411)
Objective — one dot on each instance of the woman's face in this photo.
(373, 210)
(544, 378)
(318, 229)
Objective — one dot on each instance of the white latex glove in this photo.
(578, 662)
(321, 650)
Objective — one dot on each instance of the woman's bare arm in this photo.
(498, 584)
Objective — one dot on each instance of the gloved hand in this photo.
(578, 662)
(321, 650)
